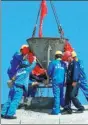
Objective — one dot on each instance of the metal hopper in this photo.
(45, 48)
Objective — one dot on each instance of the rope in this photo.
(54, 11)
(57, 20)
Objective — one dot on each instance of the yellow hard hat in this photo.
(58, 52)
(24, 46)
(74, 54)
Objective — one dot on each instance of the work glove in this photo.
(10, 83)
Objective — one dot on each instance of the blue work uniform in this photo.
(83, 80)
(15, 64)
(56, 71)
(16, 92)
(73, 75)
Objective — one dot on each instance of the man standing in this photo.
(56, 72)
(83, 78)
(73, 76)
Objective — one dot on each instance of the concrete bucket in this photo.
(45, 48)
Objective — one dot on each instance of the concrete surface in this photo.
(42, 116)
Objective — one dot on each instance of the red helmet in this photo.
(24, 49)
(66, 55)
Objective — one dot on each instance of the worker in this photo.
(83, 78)
(38, 74)
(20, 84)
(56, 71)
(73, 76)
(31, 90)
(15, 65)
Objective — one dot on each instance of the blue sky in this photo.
(18, 20)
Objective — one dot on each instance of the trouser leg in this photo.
(15, 102)
(62, 101)
(6, 106)
(67, 97)
(32, 91)
(74, 98)
(56, 92)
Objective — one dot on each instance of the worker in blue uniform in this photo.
(83, 79)
(21, 81)
(14, 67)
(73, 77)
(56, 72)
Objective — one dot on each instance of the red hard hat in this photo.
(24, 49)
(66, 55)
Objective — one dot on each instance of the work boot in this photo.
(20, 106)
(55, 113)
(10, 117)
(66, 111)
(2, 116)
(80, 110)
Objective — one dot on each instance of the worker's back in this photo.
(22, 76)
(56, 71)
(14, 64)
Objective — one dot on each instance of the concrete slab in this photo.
(42, 116)
(75, 118)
